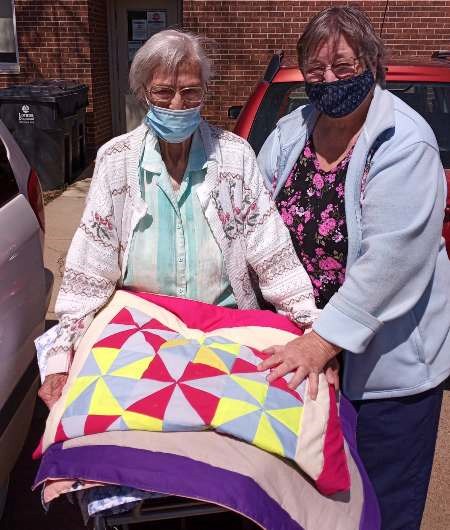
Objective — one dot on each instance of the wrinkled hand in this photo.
(307, 356)
(51, 388)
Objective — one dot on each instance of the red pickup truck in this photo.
(422, 84)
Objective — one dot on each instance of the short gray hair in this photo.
(355, 26)
(167, 49)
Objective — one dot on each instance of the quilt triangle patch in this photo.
(243, 427)
(229, 347)
(90, 367)
(60, 434)
(267, 438)
(104, 357)
(124, 317)
(96, 423)
(78, 387)
(116, 340)
(256, 389)
(213, 385)
(138, 343)
(133, 370)
(180, 415)
(204, 403)
(279, 399)
(199, 371)
(157, 370)
(154, 339)
(206, 356)
(243, 367)
(141, 422)
(290, 418)
(229, 409)
(103, 402)
(154, 405)
(285, 435)
(154, 324)
(175, 343)
(74, 426)
(140, 318)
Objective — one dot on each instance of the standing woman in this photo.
(359, 183)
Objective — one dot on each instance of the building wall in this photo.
(246, 32)
(66, 39)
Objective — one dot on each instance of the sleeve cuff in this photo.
(56, 364)
(346, 326)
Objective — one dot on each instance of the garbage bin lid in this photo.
(45, 90)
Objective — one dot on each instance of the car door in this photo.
(22, 313)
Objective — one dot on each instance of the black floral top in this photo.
(311, 204)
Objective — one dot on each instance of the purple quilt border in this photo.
(370, 516)
(151, 471)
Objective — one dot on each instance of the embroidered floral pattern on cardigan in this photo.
(79, 283)
(281, 261)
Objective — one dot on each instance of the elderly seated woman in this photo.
(176, 207)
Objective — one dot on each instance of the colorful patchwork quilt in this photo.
(163, 364)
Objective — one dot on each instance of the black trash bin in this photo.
(47, 118)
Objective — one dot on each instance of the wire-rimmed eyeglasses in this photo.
(341, 68)
(192, 95)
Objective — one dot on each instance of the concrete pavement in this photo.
(62, 218)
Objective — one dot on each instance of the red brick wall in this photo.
(246, 32)
(66, 39)
(101, 129)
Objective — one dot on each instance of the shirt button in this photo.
(180, 260)
(180, 291)
(178, 227)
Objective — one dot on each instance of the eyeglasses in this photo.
(192, 95)
(342, 69)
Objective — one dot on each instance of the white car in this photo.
(25, 288)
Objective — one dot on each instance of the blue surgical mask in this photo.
(340, 98)
(173, 126)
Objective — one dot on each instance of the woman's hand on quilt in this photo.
(51, 388)
(307, 356)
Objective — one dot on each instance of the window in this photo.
(432, 101)
(8, 184)
(9, 58)
(280, 99)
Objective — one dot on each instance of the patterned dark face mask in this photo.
(339, 98)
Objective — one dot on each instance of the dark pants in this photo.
(396, 440)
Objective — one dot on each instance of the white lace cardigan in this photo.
(239, 210)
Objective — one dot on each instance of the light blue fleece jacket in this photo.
(392, 314)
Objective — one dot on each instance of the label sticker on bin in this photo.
(26, 116)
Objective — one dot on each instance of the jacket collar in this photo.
(300, 123)
(297, 126)
(381, 115)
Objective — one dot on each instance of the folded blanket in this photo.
(218, 469)
(155, 363)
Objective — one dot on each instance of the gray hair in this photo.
(167, 49)
(355, 26)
